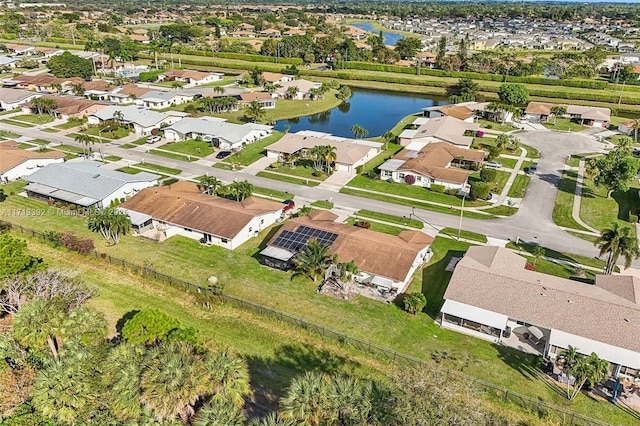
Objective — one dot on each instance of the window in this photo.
(401, 175)
(250, 228)
(224, 240)
(261, 221)
(386, 173)
(418, 178)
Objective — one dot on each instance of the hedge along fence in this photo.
(213, 62)
(243, 57)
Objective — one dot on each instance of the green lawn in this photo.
(190, 147)
(173, 155)
(127, 146)
(467, 235)
(376, 161)
(416, 192)
(26, 145)
(16, 123)
(531, 151)
(417, 204)
(501, 211)
(5, 134)
(253, 151)
(112, 158)
(322, 204)
(34, 118)
(289, 179)
(563, 124)
(117, 133)
(600, 212)
(574, 160)
(158, 168)
(493, 125)
(50, 130)
(70, 148)
(496, 186)
(140, 141)
(412, 223)
(563, 209)
(519, 186)
(130, 170)
(304, 169)
(574, 258)
(272, 193)
(509, 163)
(376, 226)
(72, 122)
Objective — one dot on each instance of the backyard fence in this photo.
(209, 295)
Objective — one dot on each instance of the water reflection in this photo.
(344, 107)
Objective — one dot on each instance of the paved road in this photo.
(532, 223)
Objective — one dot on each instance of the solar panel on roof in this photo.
(296, 240)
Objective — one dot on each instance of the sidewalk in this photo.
(577, 199)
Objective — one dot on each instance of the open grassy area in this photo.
(509, 163)
(140, 141)
(531, 151)
(563, 209)
(288, 179)
(412, 223)
(130, 170)
(190, 147)
(303, 169)
(467, 235)
(5, 134)
(501, 211)
(272, 193)
(494, 125)
(564, 125)
(50, 130)
(112, 158)
(411, 191)
(70, 148)
(600, 212)
(519, 186)
(16, 123)
(573, 258)
(253, 151)
(34, 118)
(127, 146)
(72, 122)
(377, 226)
(173, 155)
(411, 203)
(497, 185)
(113, 133)
(158, 168)
(322, 204)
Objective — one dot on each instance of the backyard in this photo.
(600, 212)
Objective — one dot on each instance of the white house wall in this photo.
(586, 346)
(15, 105)
(425, 181)
(28, 167)
(127, 190)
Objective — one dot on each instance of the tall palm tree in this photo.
(118, 117)
(615, 242)
(273, 419)
(330, 156)
(254, 110)
(218, 90)
(121, 377)
(359, 131)
(211, 184)
(313, 260)
(592, 369)
(307, 399)
(388, 137)
(292, 92)
(219, 413)
(85, 141)
(38, 324)
(558, 111)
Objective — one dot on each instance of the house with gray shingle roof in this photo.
(12, 98)
(85, 184)
(142, 119)
(223, 135)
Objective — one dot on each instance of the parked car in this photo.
(494, 164)
(488, 197)
(207, 138)
(223, 154)
(153, 139)
(289, 204)
(532, 170)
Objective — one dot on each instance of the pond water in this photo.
(389, 38)
(375, 110)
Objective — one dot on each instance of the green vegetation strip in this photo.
(377, 226)
(127, 146)
(467, 235)
(531, 151)
(34, 118)
(129, 170)
(5, 134)
(563, 209)
(158, 168)
(574, 258)
(272, 194)
(519, 186)
(413, 223)
(190, 147)
(16, 123)
(70, 148)
(112, 158)
(500, 211)
(288, 179)
(322, 204)
(254, 151)
(600, 212)
(173, 156)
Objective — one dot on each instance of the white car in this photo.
(153, 139)
(493, 164)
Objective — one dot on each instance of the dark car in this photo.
(223, 154)
(532, 170)
(488, 197)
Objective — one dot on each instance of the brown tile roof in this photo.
(460, 112)
(254, 96)
(132, 89)
(348, 152)
(12, 156)
(448, 129)
(495, 279)
(101, 85)
(73, 105)
(272, 77)
(434, 159)
(197, 75)
(539, 108)
(386, 255)
(184, 205)
(45, 80)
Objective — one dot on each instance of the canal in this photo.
(375, 110)
(389, 38)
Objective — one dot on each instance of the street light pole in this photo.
(461, 214)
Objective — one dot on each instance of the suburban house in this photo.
(627, 127)
(182, 209)
(304, 88)
(143, 120)
(462, 111)
(386, 262)
(431, 163)
(540, 112)
(223, 135)
(440, 129)
(355, 33)
(9, 62)
(191, 78)
(276, 77)
(160, 99)
(263, 98)
(70, 106)
(20, 50)
(350, 153)
(42, 82)
(492, 296)
(12, 98)
(85, 184)
(126, 94)
(270, 33)
(16, 163)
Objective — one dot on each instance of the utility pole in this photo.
(621, 91)
(461, 214)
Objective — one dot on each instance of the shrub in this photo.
(363, 224)
(451, 191)
(74, 243)
(274, 165)
(410, 179)
(316, 173)
(169, 181)
(359, 169)
(414, 302)
(489, 126)
(488, 175)
(54, 238)
(479, 133)
(479, 190)
(437, 188)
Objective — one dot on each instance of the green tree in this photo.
(313, 260)
(359, 131)
(513, 94)
(388, 137)
(538, 252)
(488, 175)
(465, 90)
(615, 242)
(558, 111)
(441, 52)
(15, 258)
(479, 190)
(121, 376)
(592, 369)
(219, 413)
(85, 140)
(70, 65)
(211, 184)
(292, 92)
(614, 170)
(3, 196)
(343, 93)
(149, 326)
(414, 302)
(254, 111)
(256, 77)
(407, 47)
(110, 223)
(44, 105)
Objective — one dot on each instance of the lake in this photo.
(389, 38)
(375, 110)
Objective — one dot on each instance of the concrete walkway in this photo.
(575, 212)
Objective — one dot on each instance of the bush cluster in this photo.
(72, 242)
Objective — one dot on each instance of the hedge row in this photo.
(259, 58)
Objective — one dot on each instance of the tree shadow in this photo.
(265, 241)
(126, 317)
(435, 279)
(550, 178)
(628, 204)
(526, 364)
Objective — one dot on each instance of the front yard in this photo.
(564, 125)
(34, 118)
(114, 133)
(190, 147)
(253, 151)
(600, 212)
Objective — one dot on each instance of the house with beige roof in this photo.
(462, 111)
(276, 77)
(182, 209)
(351, 153)
(425, 164)
(540, 112)
(440, 129)
(11, 99)
(386, 262)
(16, 163)
(492, 296)
(304, 89)
(191, 78)
(70, 106)
(263, 98)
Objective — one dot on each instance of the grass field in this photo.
(190, 147)
(288, 179)
(501, 211)
(564, 125)
(70, 148)
(412, 223)
(130, 170)
(272, 194)
(72, 122)
(519, 186)
(600, 212)
(16, 123)
(563, 209)
(253, 151)
(5, 134)
(117, 133)
(112, 158)
(173, 155)
(158, 168)
(493, 125)
(34, 118)
(467, 235)
(322, 204)
(304, 170)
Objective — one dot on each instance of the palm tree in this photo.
(388, 137)
(557, 111)
(254, 110)
(118, 117)
(307, 399)
(359, 131)
(218, 90)
(211, 184)
(343, 93)
(38, 324)
(270, 88)
(292, 92)
(615, 242)
(313, 260)
(635, 127)
(348, 270)
(219, 413)
(538, 252)
(121, 378)
(592, 369)
(273, 419)
(85, 141)
(330, 156)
